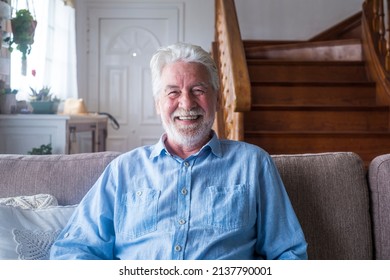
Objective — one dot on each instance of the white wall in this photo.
(291, 19)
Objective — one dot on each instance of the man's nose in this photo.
(187, 101)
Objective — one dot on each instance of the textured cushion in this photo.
(379, 182)
(329, 193)
(28, 234)
(66, 177)
(30, 202)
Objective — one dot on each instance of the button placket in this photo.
(183, 209)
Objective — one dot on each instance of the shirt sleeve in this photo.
(89, 233)
(280, 235)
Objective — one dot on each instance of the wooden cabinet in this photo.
(67, 134)
(20, 133)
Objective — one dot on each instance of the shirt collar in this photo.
(214, 144)
(159, 148)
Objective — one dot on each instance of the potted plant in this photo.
(23, 29)
(42, 101)
(7, 99)
(42, 150)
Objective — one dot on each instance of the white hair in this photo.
(181, 52)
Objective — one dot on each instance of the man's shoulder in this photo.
(240, 146)
(138, 153)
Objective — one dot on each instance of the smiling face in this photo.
(187, 104)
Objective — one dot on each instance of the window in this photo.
(52, 60)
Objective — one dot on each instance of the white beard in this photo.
(189, 136)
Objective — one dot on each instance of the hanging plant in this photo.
(23, 30)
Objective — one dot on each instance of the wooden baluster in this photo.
(375, 16)
(367, 8)
(370, 10)
(387, 56)
(381, 28)
(367, 5)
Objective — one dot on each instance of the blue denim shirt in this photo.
(225, 202)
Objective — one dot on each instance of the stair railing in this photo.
(376, 44)
(228, 51)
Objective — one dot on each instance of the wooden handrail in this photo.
(228, 51)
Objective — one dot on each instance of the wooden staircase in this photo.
(313, 97)
(327, 94)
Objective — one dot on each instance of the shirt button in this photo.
(182, 221)
(186, 164)
(177, 248)
(184, 191)
(66, 235)
(139, 193)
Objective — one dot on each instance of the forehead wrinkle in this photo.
(171, 86)
(203, 84)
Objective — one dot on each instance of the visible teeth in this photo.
(188, 117)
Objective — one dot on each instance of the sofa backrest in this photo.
(379, 182)
(67, 177)
(329, 193)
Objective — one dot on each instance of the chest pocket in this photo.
(228, 207)
(139, 213)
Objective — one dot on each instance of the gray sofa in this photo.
(344, 209)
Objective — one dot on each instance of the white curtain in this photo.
(53, 54)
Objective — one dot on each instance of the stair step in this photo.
(314, 97)
(311, 93)
(248, 44)
(367, 145)
(317, 118)
(306, 71)
(345, 50)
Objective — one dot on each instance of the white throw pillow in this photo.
(30, 201)
(28, 234)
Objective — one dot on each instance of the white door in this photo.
(120, 53)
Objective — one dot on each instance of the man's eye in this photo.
(173, 93)
(198, 91)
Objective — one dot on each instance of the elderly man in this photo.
(191, 195)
